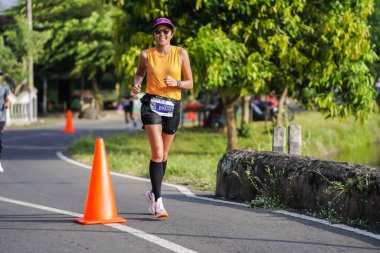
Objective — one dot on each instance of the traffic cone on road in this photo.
(100, 204)
(69, 123)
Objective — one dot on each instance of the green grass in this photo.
(34, 124)
(195, 152)
(322, 137)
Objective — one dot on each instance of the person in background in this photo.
(161, 105)
(128, 109)
(272, 99)
(215, 114)
(377, 88)
(264, 107)
(4, 104)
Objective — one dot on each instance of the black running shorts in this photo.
(148, 117)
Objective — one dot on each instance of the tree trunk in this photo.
(231, 126)
(245, 112)
(280, 113)
(98, 97)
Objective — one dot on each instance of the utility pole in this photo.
(30, 26)
(32, 101)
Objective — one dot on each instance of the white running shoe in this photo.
(149, 196)
(160, 210)
(1, 168)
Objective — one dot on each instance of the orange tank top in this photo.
(158, 67)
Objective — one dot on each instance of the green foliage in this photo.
(10, 63)
(17, 44)
(337, 191)
(267, 202)
(82, 43)
(218, 61)
(323, 46)
(338, 70)
(268, 188)
(318, 50)
(240, 46)
(374, 21)
(245, 130)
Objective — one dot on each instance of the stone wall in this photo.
(301, 182)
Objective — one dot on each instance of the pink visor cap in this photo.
(163, 21)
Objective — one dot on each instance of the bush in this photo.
(245, 131)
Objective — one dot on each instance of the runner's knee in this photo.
(157, 156)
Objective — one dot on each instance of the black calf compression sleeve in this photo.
(164, 167)
(156, 176)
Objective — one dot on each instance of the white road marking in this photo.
(141, 234)
(152, 238)
(184, 190)
(325, 222)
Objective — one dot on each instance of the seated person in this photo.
(215, 114)
(264, 108)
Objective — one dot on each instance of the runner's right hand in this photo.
(136, 89)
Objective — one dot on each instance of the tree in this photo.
(339, 51)
(374, 21)
(19, 44)
(82, 43)
(266, 31)
(310, 46)
(14, 69)
(219, 63)
(303, 45)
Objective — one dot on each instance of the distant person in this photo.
(128, 109)
(161, 105)
(377, 87)
(264, 108)
(272, 99)
(4, 104)
(215, 115)
(258, 106)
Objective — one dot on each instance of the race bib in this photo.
(162, 107)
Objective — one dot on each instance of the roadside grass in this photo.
(322, 137)
(39, 123)
(195, 153)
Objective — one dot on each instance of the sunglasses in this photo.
(165, 31)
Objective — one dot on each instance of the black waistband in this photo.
(164, 98)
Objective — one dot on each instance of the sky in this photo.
(4, 4)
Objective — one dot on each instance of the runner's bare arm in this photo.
(7, 103)
(140, 72)
(187, 82)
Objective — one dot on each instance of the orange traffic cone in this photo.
(100, 204)
(191, 116)
(69, 123)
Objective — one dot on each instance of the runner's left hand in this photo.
(170, 81)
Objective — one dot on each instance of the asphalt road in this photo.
(41, 194)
